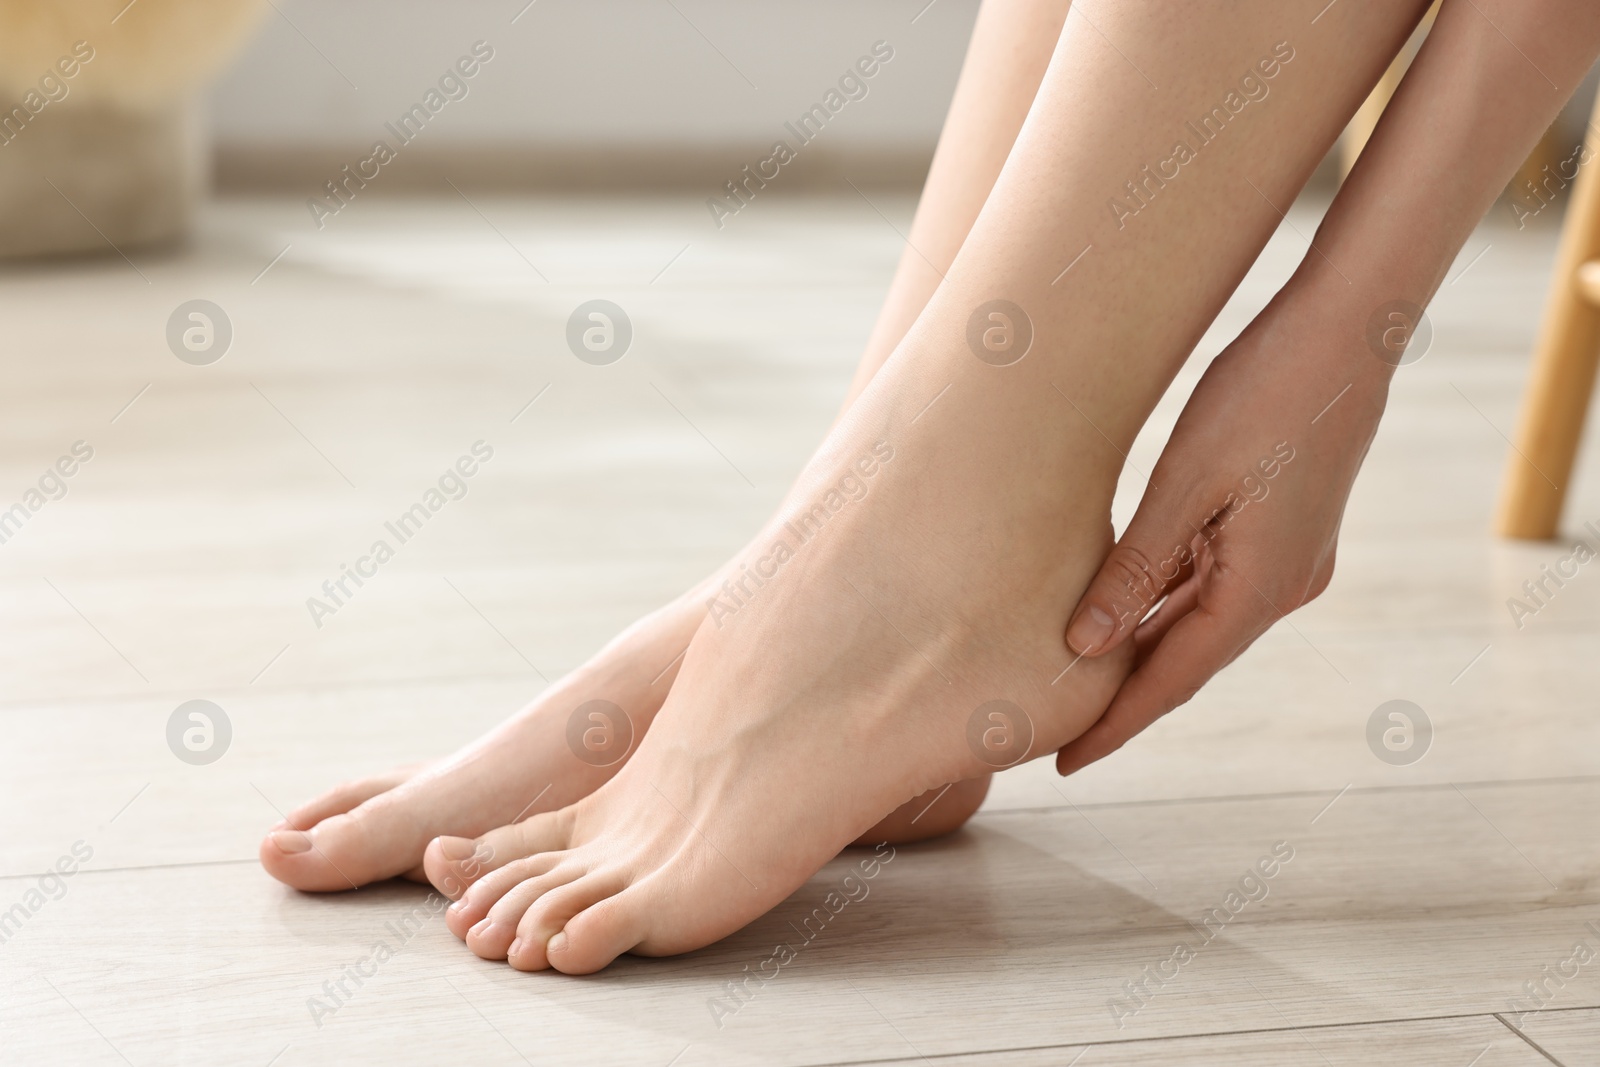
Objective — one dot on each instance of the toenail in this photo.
(292, 841)
(556, 943)
(489, 930)
(457, 848)
(1090, 630)
(516, 947)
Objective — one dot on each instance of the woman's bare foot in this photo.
(376, 828)
(914, 639)
(904, 625)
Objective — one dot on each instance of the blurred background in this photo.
(246, 96)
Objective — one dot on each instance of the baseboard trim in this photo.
(416, 169)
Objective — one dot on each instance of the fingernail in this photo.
(516, 947)
(291, 841)
(457, 848)
(1090, 630)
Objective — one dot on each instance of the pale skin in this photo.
(377, 827)
(846, 689)
(1490, 78)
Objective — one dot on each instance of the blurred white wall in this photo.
(596, 93)
(683, 86)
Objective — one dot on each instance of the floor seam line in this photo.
(1214, 798)
(1530, 1041)
(1203, 1034)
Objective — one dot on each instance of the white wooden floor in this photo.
(1419, 901)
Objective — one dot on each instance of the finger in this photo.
(1154, 556)
(1222, 623)
(1179, 602)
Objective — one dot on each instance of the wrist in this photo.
(1357, 330)
(1309, 357)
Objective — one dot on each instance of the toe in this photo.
(356, 833)
(550, 913)
(344, 796)
(455, 863)
(341, 852)
(599, 934)
(474, 904)
(315, 846)
(492, 936)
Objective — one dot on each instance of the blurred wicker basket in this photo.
(100, 145)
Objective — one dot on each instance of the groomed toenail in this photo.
(491, 931)
(457, 848)
(556, 943)
(516, 947)
(292, 841)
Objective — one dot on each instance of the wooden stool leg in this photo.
(1563, 373)
(1365, 120)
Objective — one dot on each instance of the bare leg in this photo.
(376, 828)
(867, 667)
(1011, 46)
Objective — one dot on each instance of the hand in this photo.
(1240, 521)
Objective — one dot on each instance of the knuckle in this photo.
(351, 822)
(1180, 697)
(1301, 586)
(1320, 580)
(1130, 576)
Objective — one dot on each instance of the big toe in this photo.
(453, 864)
(343, 851)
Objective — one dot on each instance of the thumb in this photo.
(1153, 557)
